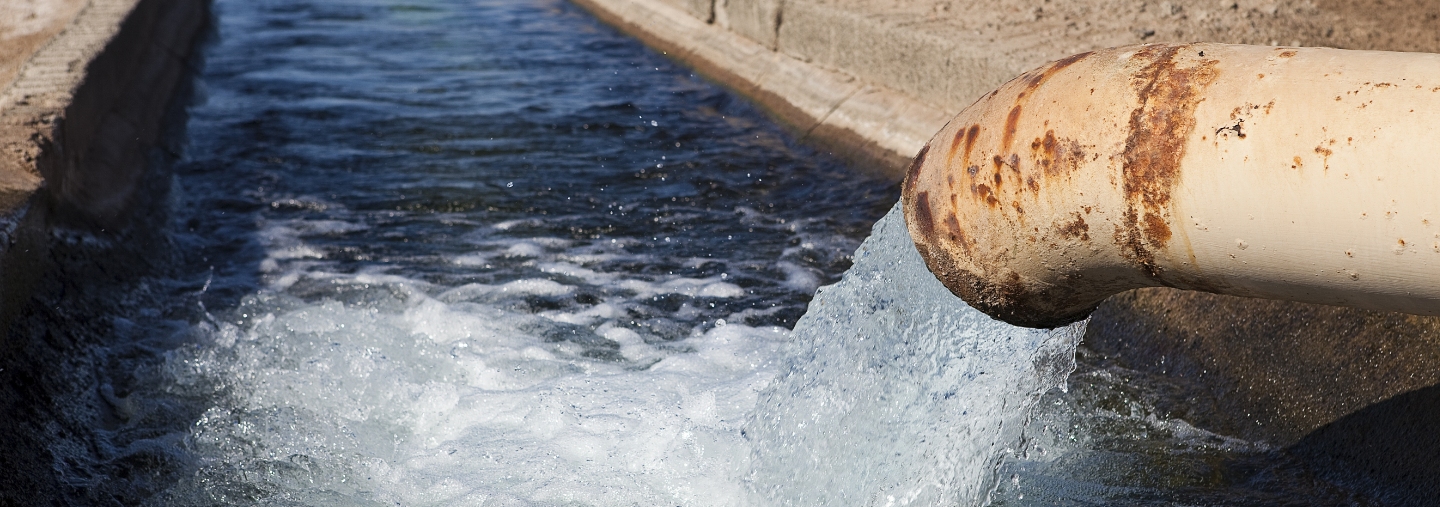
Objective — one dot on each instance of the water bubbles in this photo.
(510, 184)
(894, 362)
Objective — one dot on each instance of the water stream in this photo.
(495, 253)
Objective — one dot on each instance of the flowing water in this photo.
(495, 253)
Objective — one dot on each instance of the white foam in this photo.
(892, 388)
(457, 404)
(798, 278)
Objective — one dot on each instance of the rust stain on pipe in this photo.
(1160, 165)
(1159, 128)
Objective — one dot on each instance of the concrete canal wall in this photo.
(876, 78)
(86, 90)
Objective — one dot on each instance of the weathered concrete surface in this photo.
(81, 115)
(944, 54)
(849, 116)
(25, 25)
(84, 108)
(1279, 370)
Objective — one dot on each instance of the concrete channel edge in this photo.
(82, 120)
(876, 125)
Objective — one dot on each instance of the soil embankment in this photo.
(889, 73)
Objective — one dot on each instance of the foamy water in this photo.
(390, 390)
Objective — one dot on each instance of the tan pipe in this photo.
(1305, 174)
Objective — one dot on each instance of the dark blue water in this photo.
(422, 126)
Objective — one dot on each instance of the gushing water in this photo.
(896, 392)
(890, 391)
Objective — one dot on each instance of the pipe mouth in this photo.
(1005, 296)
(1009, 299)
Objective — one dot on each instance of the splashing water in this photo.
(899, 393)
(896, 393)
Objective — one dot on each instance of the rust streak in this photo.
(1067, 61)
(1325, 154)
(923, 218)
(1076, 229)
(954, 147)
(974, 131)
(1011, 125)
(1056, 156)
(957, 235)
(1032, 81)
(1168, 95)
(912, 174)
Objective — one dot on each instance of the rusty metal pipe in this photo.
(1306, 174)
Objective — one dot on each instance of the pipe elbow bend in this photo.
(1286, 173)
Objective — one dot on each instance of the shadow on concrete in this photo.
(1349, 397)
(1390, 450)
